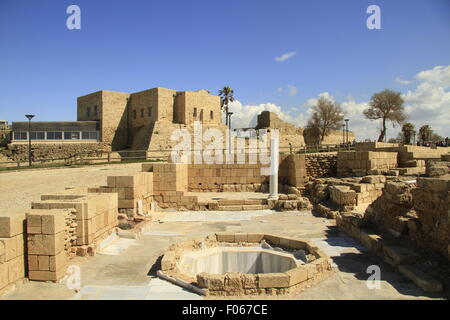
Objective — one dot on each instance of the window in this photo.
(134, 114)
(37, 135)
(88, 111)
(54, 135)
(149, 110)
(20, 135)
(195, 112)
(89, 135)
(142, 113)
(211, 114)
(74, 135)
(96, 110)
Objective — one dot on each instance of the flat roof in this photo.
(56, 126)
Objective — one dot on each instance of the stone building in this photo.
(126, 120)
(140, 121)
(5, 131)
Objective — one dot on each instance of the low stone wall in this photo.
(51, 152)
(345, 194)
(131, 190)
(318, 166)
(50, 235)
(360, 163)
(12, 259)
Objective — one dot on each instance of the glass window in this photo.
(37, 135)
(54, 135)
(20, 135)
(68, 135)
(89, 135)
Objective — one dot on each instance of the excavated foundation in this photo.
(245, 264)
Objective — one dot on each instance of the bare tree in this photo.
(327, 115)
(388, 106)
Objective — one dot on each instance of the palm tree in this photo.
(408, 131)
(425, 133)
(226, 97)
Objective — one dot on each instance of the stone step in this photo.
(396, 255)
(411, 170)
(241, 202)
(420, 278)
(243, 207)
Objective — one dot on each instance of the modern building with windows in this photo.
(64, 131)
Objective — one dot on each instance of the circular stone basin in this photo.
(236, 264)
(220, 260)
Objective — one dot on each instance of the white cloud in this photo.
(285, 56)
(439, 75)
(402, 81)
(428, 103)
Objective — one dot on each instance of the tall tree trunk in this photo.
(226, 115)
(383, 131)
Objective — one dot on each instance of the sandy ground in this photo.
(19, 188)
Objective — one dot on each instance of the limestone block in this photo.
(47, 275)
(43, 244)
(16, 269)
(10, 247)
(33, 262)
(297, 275)
(4, 277)
(273, 280)
(58, 262)
(11, 225)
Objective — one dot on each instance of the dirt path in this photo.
(18, 189)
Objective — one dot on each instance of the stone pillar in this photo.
(274, 159)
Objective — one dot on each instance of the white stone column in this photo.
(274, 160)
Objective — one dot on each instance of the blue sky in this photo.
(188, 45)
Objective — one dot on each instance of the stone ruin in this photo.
(394, 199)
(234, 264)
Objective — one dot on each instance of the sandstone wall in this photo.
(131, 190)
(321, 165)
(51, 152)
(12, 259)
(360, 163)
(419, 212)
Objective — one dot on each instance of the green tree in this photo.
(386, 105)
(226, 97)
(425, 133)
(327, 115)
(408, 132)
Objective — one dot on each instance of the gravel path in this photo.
(19, 188)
